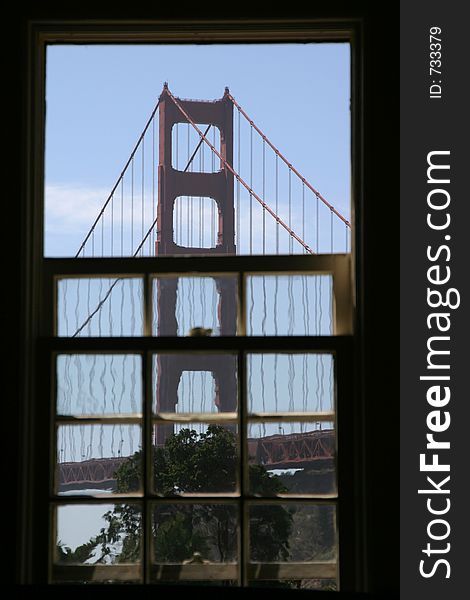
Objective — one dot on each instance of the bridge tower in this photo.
(219, 187)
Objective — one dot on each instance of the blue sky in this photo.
(99, 98)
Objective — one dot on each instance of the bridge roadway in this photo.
(290, 451)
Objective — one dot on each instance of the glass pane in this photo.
(195, 306)
(99, 384)
(82, 160)
(289, 305)
(95, 459)
(290, 382)
(195, 533)
(195, 458)
(101, 306)
(291, 458)
(291, 532)
(98, 534)
(195, 383)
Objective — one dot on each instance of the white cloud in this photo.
(72, 208)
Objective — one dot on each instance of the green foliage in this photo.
(192, 462)
(175, 539)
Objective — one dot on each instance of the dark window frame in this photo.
(371, 570)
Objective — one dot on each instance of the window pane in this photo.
(290, 382)
(195, 306)
(198, 533)
(99, 384)
(101, 306)
(195, 383)
(195, 458)
(90, 174)
(99, 534)
(292, 458)
(95, 459)
(289, 305)
(292, 532)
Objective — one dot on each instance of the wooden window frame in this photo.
(339, 345)
(34, 484)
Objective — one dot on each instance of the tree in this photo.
(194, 462)
(208, 462)
(190, 462)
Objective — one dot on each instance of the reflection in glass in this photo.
(195, 458)
(289, 305)
(290, 382)
(198, 533)
(195, 383)
(95, 458)
(99, 307)
(99, 534)
(99, 384)
(299, 456)
(291, 532)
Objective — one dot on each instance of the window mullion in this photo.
(147, 454)
(244, 476)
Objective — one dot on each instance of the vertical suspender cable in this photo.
(102, 235)
(331, 231)
(142, 230)
(132, 206)
(152, 236)
(122, 216)
(277, 204)
(201, 168)
(188, 216)
(238, 185)
(251, 187)
(264, 197)
(317, 225)
(291, 241)
(112, 225)
(303, 213)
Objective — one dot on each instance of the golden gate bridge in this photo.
(220, 186)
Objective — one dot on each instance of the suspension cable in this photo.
(237, 176)
(118, 180)
(278, 153)
(116, 281)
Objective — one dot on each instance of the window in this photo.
(255, 417)
(255, 343)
